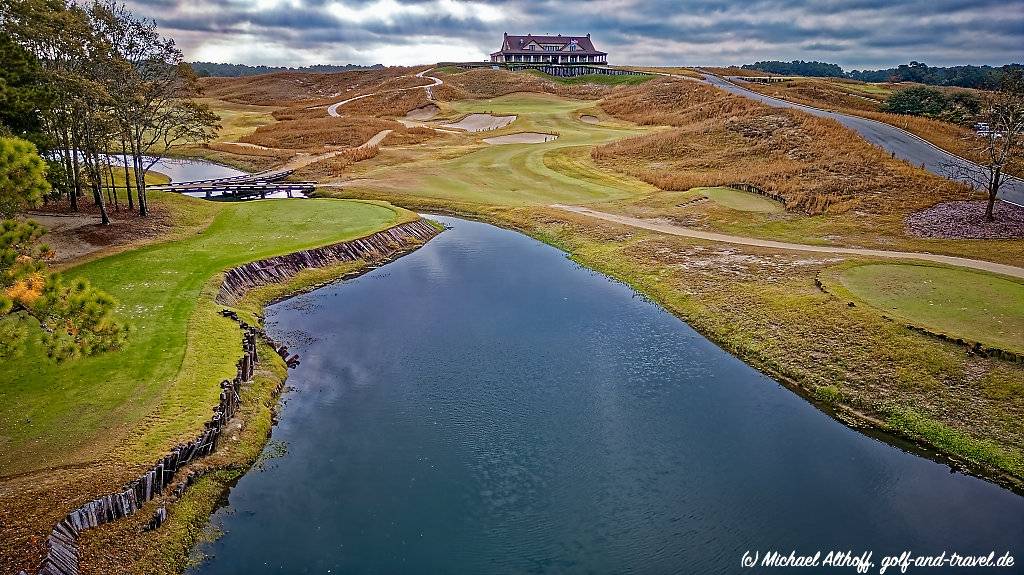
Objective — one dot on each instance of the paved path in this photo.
(905, 145)
(332, 110)
(677, 230)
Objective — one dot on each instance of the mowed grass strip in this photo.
(739, 200)
(974, 306)
(162, 385)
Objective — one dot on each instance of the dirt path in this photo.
(375, 140)
(677, 230)
(332, 110)
(303, 159)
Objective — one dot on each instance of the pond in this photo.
(186, 169)
(194, 169)
(485, 405)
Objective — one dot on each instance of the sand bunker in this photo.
(481, 122)
(423, 113)
(588, 119)
(522, 138)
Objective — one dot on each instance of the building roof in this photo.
(517, 44)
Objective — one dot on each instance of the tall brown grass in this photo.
(361, 153)
(232, 148)
(409, 136)
(821, 94)
(717, 138)
(843, 96)
(316, 133)
(284, 88)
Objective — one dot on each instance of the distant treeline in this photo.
(203, 69)
(962, 76)
(797, 68)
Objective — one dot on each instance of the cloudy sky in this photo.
(852, 33)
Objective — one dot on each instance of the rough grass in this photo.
(817, 165)
(865, 100)
(80, 429)
(601, 79)
(284, 88)
(962, 304)
(825, 93)
(316, 133)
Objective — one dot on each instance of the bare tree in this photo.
(152, 88)
(999, 139)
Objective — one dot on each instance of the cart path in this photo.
(676, 230)
(332, 110)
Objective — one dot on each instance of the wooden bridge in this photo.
(244, 187)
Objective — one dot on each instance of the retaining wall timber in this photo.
(752, 189)
(377, 247)
(62, 543)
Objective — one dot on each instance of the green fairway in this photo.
(739, 200)
(517, 174)
(161, 386)
(974, 306)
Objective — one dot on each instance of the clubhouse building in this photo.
(549, 50)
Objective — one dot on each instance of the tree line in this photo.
(984, 77)
(89, 94)
(797, 68)
(97, 90)
(958, 107)
(206, 69)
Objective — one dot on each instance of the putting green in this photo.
(516, 174)
(974, 306)
(161, 385)
(739, 200)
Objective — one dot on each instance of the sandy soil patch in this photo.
(522, 138)
(966, 220)
(75, 235)
(423, 113)
(481, 122)
(588, 119)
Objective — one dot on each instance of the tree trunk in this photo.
(69, 168)
(76, 188)
(112, 187)
(140, 178)
(127, 179)
(96, 175)
(993, 189)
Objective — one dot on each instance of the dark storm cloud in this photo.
(852, 33)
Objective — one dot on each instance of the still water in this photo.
(185, 169)
(484, 405)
